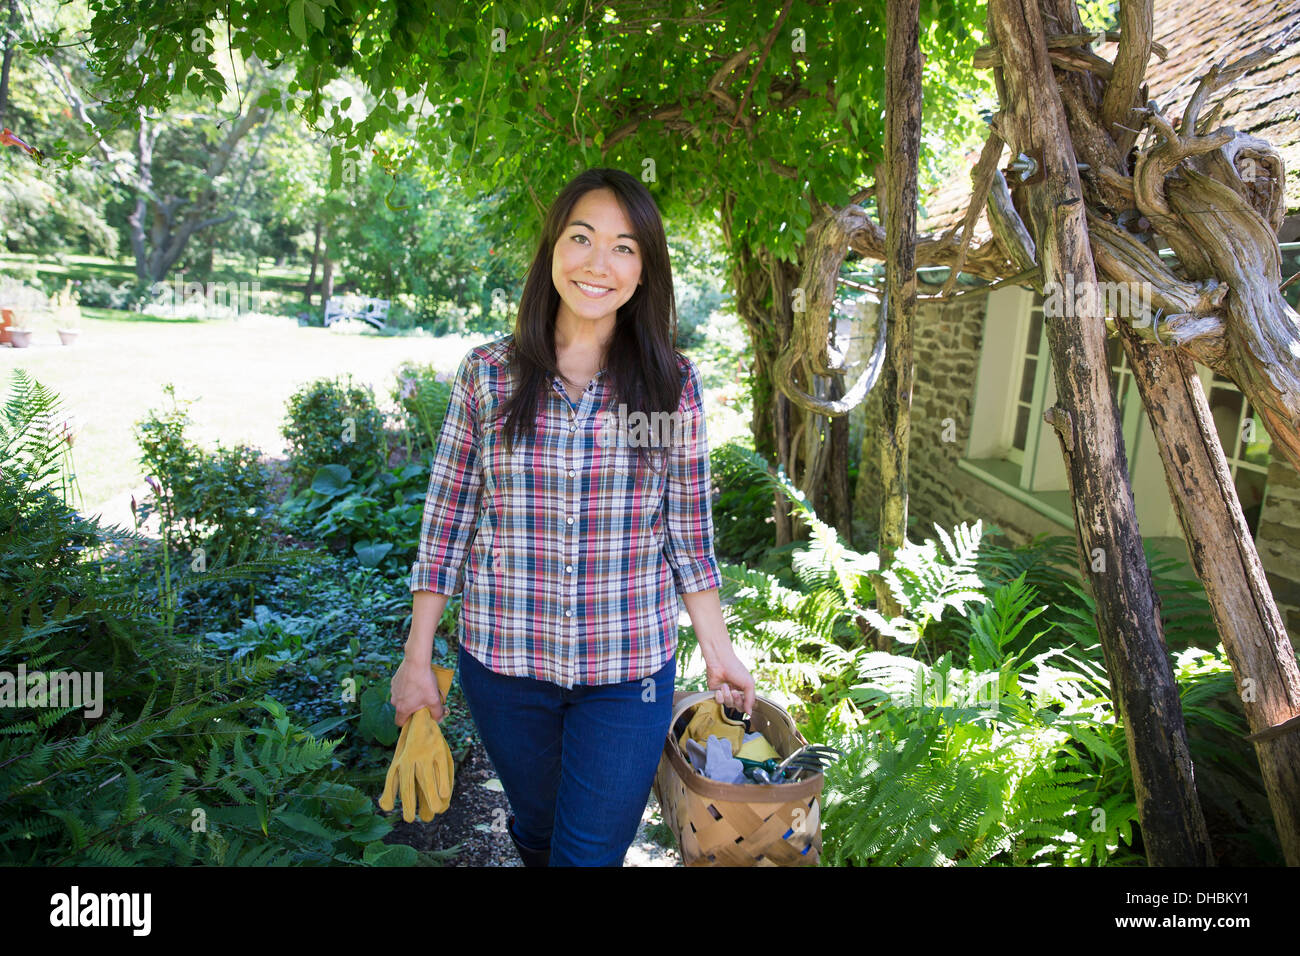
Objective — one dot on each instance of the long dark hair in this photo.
(641, 364)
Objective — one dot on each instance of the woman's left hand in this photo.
(731, 679)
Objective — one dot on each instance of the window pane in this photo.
(1290, 266)
(1114, 352)
(1022, 427)
(1225, 405)
(1250, 490)
(1256, 452)
(1035, 332)
(1027, 380)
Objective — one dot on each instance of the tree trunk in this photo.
(315, 260)
(837, 478)
(1227, 564)
(1206, 196)
(1087, 424)
(11, 42)
(898, 214)
(327, 278)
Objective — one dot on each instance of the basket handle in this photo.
(690, 700)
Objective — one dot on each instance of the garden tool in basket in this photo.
(813, 758)
(422, 769)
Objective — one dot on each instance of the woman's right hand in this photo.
(414, 687)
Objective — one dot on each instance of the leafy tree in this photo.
(764, 118)
(186, 171)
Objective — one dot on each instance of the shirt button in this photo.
(573, 428)
(572, 472)
(568, 567)
(569, 520)
(569, 613)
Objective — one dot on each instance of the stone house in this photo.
(979, 446)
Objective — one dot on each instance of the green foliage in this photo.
(55, 213)
(482, 83)
(99, 293)
(377, 518)
(742, 532)
(422, 397)
(437, 246)
(328, 422)
(1228, 779)
(153, 764)
(214, 501)
(924, 585)
(995, 741)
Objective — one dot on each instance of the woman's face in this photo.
(596, 250)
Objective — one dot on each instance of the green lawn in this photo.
(240, 373)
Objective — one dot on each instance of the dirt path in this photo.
(476, 820)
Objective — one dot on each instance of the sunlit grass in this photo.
(239, 374)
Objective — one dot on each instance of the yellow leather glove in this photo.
(709, 719)
(758, 749)
(422, 768)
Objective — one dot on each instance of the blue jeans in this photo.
(576, 765)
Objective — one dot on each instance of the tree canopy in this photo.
(780, 107)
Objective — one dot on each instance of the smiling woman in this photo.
(576, 548)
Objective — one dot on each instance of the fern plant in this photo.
(1011, 749)
(994, 740)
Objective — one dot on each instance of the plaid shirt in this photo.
(576, 553)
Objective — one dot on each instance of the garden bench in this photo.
(373, 311)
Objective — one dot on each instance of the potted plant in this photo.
(20, 331)
(20, 304)
(67, 313)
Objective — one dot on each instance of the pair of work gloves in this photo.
(422, 770)
(709, 719)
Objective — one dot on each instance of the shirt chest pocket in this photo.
(502, 462)
(636, 479)
(623, 461)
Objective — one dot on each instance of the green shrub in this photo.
(378, 519)
(99, 293)
(992, 738)
(339, 640)
(166, 772)
(210, 504)
(742, 509)
(331, 423)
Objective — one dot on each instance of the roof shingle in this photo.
(1265, 102)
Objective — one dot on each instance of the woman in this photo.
(579, 533)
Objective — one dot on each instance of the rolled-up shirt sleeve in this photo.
(451, 505)
(688, 504)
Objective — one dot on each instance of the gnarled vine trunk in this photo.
(1086, 420)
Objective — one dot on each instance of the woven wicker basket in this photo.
(739, 824)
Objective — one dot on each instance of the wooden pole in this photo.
(898, 212)
(1087, 425)
(1228, 565)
